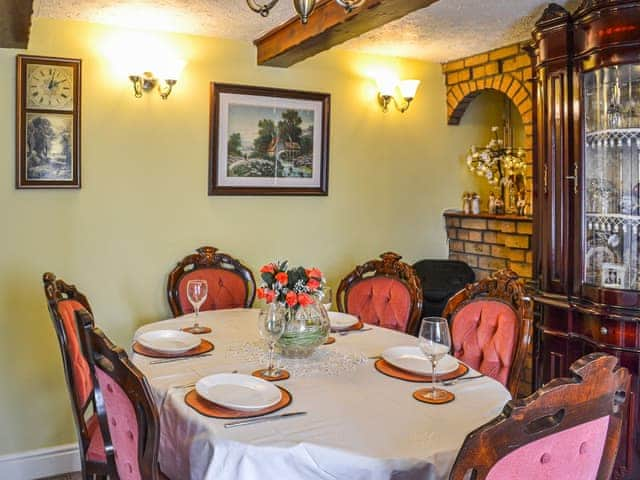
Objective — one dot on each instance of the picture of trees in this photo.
(49, 146)
(269, 142)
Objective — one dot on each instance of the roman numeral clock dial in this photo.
(49, 87)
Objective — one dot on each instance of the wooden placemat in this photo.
(446, 398)
(357, 326)
(213, 410)
(204, 347)
(387, 369)
(261, 374)
(329, 341)
(204, 331)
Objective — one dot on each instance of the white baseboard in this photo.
(44, 462)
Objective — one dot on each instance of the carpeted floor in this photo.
(67, 476)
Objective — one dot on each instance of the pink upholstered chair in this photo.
(567, 430)
(63, 301)
(491, 323)
(124, 406)
(231, 284)
(384, 292)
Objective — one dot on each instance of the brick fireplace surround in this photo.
(490, 242)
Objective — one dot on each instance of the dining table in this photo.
(359, 423)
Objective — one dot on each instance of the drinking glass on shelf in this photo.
(435, 343)
(271, 325)
(326, 298)
(197, 291)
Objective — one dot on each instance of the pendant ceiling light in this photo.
(303, 7)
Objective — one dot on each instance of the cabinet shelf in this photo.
(613, 137)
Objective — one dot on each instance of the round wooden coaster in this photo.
(357, 326)
(204, 347)
(261, 374)
(445, 396)
(204, 331)
(329, 341)
(209, 409)
(387, 369)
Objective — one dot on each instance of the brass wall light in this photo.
(387, 93)
(165, 81)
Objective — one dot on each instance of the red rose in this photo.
(268, 268)
(260, 292)
(282, 278)
(270, 296)
(313, 284)
(314, 273)
(292, 299)
(304, 299)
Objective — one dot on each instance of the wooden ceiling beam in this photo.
(15, 23)
(329, 25)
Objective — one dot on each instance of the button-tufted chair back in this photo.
(491, 322)
(63, 301)
(124, 404)
(230, 283)
(569, 429)
(383, 292)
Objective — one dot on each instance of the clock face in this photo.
(49, 87)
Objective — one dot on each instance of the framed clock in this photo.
(48, 122)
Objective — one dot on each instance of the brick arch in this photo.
(459, 96)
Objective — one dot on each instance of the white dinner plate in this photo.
(238, 392)
(341, 321)
(413, 360)
(169, 341)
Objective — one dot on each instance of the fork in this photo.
(449, 383)
(178, 359)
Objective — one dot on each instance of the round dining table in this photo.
(359, 423)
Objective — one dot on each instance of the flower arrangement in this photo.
(500, 165)
(294, 287)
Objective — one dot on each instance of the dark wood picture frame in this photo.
(215, 163)
(23, 110)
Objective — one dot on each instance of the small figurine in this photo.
(492, 203)
(499, 206)
(466, 203)
(520, 204)
(475, 204)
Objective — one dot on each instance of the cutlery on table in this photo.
(251, 421)
(177, 359)
(192, 384)
(349, 332)
(448, 383)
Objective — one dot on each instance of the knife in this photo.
(251, 421)
(178, 359)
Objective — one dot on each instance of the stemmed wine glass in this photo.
(325, 298)
(271, 325)
(435, 343)
(197, 291)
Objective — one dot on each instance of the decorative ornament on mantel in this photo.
(502, 166)
(303, 7)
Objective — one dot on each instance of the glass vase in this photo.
(307, 328)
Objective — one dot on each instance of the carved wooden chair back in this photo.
(63, 301)
(383, 292)
(569, 429)
(124, 406)
(230, 283)
(491, 323)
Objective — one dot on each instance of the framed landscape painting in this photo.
(267, 141)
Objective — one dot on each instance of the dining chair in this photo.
(568, 430)
(383, 292)
(63, 301)
(125, 409)
(230, 283)
(491, 322)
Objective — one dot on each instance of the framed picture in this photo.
(47, 122)
(267, 141)
(613, 275)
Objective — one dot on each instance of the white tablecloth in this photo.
(360, 423)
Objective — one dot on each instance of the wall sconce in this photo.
(165, 82)
(387, 93)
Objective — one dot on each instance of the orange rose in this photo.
(313, 284)
(270, 296)
(260, 292)
(291, 299)
(314, 273)
(282, 278)
(304, 299)
(268, 268)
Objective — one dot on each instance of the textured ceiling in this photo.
(446, 30)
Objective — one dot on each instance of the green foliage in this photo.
(289, 126)
(234, 144)
(266, 135)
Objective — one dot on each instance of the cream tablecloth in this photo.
(360, 423)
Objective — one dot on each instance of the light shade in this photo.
(387, 86)
(408, 88)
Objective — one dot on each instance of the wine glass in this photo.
(197, 291)
(325, 298)
(435, 343)
(271, 325)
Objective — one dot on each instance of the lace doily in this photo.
(322, 362)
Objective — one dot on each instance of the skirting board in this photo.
(44, 462)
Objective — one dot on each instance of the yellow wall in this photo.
(144, 200)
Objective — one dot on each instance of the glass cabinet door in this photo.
(611, 194)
